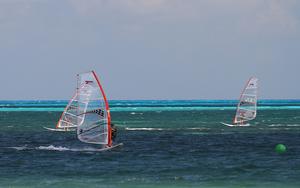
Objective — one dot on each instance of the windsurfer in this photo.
(113, 132)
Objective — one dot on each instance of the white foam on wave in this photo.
(135, 113)
(293, 125)
(61, 148)
(282, 125)
(198, 128)
(51, 147)
(19, 148)
(275, 125)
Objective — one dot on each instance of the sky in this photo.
(142, 49)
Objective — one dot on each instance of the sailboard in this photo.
(60, 130)
(72, 116)
(247, 106)
(235, 125)
(60, 148)
(96, 125)
(110, 147)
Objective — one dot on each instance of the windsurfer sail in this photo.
(72, 115)
(247, 106)
(96, 125)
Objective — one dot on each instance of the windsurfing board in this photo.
(229, 125)
(59, 148)
(111, 147)
(237, 125)
(59, 130)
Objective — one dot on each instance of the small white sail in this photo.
(93, 107)
(68, 118)
(72, 115)
(247, 106)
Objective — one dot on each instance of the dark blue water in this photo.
(166, 144)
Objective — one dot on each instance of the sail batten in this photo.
(248, 110)
(69, 126)
(249, 95)
(71, 114)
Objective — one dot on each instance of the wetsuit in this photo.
(113, 132)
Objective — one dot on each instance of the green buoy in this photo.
(280, 148)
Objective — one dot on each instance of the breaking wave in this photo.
(282, 125)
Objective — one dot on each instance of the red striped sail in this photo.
(93, 106)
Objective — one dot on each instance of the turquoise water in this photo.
(148, 105)
(166, 144)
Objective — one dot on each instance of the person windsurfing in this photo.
(113, 132)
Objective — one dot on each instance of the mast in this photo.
(107, 109)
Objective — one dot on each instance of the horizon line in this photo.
(147, 99)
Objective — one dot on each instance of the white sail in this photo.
(95, 127)
(72, 116)
(247, 106)
(68, 118)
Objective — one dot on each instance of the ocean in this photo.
(167, 143)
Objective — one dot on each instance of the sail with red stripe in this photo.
(93, 107)
(247, 106)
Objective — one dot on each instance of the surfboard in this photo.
(60, 148)
(229, 125)
(111, 147)
(235, 125)
(60, 130)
